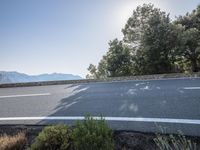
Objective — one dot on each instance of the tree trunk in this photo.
(194, 65)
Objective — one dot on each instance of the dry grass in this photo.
(16, 142)
(174, 142)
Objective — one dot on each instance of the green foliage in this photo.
(92, 135)
(137, 23)
(189, 38)
(174, 142)
(102, 68)
(151, 33)
(153, 44)
(53, 138)
(118, 59)
(93, 72)
(189, 48)
(153, 51)
(117, 62)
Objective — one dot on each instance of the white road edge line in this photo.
(26, 95)
(123, 119)
(191, 88)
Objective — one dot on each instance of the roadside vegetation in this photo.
(174, 142)
(16, 142)
(92, 134)
(56, 137)
(152, 43)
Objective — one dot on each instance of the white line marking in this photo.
(123, 119)
(191, 88)
(25, 95)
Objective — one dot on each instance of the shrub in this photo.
(16, 142)
(53, 138)
(174, 142)
(92, 134)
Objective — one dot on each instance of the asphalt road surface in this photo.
(148, 106)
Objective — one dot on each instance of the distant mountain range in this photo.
(16, 77)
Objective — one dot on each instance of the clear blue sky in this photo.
(45, 36)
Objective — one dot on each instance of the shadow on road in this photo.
(134, 99)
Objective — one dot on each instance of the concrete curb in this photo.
(143, 77)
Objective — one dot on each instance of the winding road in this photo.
(165, 105)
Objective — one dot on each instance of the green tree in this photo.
(149, 31)
(136, 24)
(92, 72)
(190, 20)
(118, 59)
(116, 62)
(153, 44)
(102, 68)
(188, 45)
